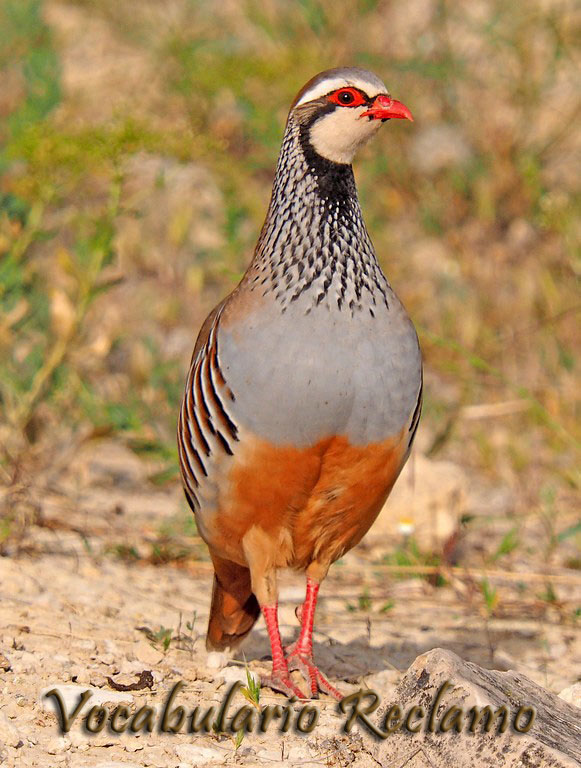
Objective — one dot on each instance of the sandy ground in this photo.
(73, 613)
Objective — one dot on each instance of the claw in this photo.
(283, 685)
(313, 676)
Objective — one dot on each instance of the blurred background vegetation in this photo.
(137, 147)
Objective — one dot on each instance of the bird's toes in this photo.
(284, 685)
(325, 686)
(313, 676)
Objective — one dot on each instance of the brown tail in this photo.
(234, 608)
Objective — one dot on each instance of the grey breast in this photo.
(299, 376)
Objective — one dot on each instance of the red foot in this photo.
(283, 685)
(314, 677)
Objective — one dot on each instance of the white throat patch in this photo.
(338, 135)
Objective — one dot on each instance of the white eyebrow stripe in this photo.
(333, 83)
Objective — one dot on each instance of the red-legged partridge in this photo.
(305, 388)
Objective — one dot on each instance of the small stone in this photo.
(80, 676)
(116, 764)
(196, 753)
(133, 746)
(216, 660)
(58, 745)
(155, 756)
(98, 680)
(133, 667)
(234, 674)
(9, 734)
(147, 654)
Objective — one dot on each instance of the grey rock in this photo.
(553, 740)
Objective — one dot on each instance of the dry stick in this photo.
(493, 410)
(430, 570)
(523, 392)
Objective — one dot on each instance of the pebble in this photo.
(132, 745)
(25, 662)
(116, 764)
(134, 667)
(195, 753)
(156, 756)
(58, 745)
(9, 734)
(98, 680)
(232, 674)
(146, 653)
(81, 675)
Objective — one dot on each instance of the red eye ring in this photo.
(348, 97)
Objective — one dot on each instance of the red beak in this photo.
(384, 108)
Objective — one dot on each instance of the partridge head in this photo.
(341, 109)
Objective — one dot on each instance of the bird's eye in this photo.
(348, 97)
(345, 97)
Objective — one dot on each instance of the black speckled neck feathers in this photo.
(314, 245)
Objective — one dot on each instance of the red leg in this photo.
(280, 680)
(300, 653)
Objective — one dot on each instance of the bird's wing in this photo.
(205, 428)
